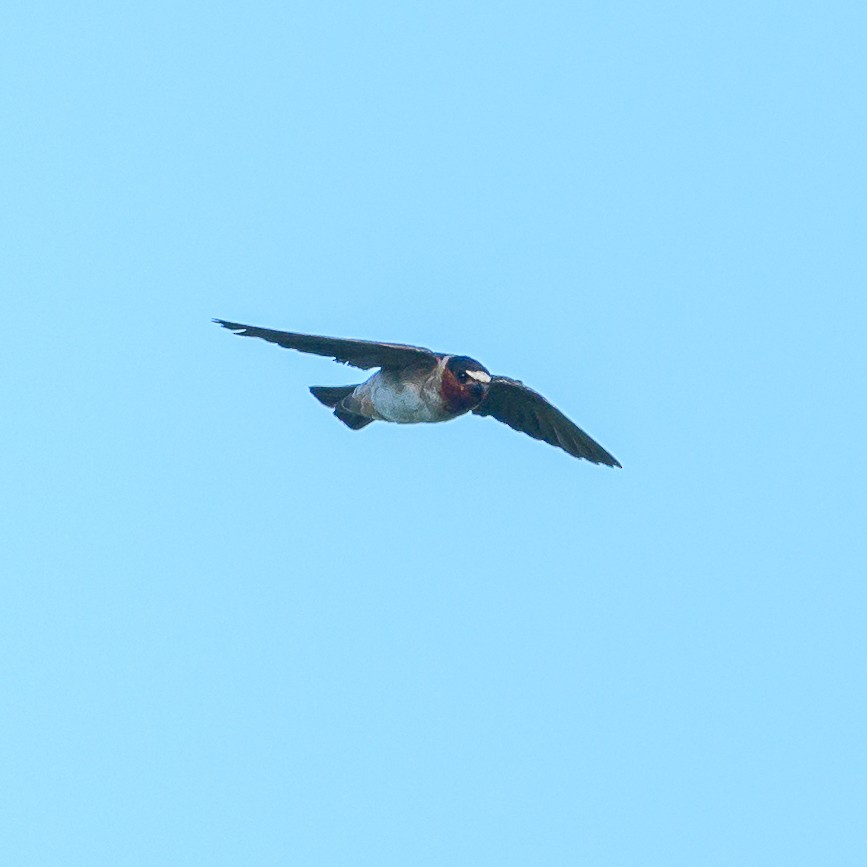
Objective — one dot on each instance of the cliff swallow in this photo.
(414, 385)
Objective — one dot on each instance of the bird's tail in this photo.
(331, 395)
(334, 396)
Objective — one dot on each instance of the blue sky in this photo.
(235, 632)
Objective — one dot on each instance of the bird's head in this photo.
(465, 383)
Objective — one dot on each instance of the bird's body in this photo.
(415, 385)
(404, 397)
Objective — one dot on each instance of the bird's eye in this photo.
(463, 376)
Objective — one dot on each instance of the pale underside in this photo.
(397, 397)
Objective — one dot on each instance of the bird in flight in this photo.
(414, 384)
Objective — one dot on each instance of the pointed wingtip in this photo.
(602, 459)
(606, 459)
(232, 326)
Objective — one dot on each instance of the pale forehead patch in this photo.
(479, 375)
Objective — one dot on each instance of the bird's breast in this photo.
(407, 397)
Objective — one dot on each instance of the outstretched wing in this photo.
(359, 353)
(525, 410)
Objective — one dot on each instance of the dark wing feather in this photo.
(525, 410)
(359, 353)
